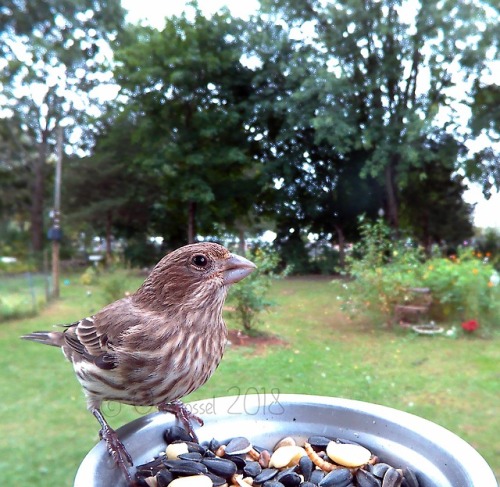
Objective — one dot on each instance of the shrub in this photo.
(248, 298)
(17, 267)
(488, 245)
(89, 276)
(463, 287)
(114, 287)
(383, 270)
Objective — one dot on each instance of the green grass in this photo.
(46, 430)
(21, 295)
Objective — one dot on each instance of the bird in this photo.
(157, 345)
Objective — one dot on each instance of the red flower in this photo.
(470, 326)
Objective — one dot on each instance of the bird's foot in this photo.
(183, 414)
(115, 447)
(117, 450)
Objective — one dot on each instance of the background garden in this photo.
(331, 142)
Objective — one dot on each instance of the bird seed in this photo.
(319, 462)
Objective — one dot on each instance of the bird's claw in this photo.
(117, 450)
(184, 415)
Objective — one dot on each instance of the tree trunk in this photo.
(341, 242)
(191, 221)
(108, 237)
(426, 236)
(38, 190)
(390, 190)
(242, 243)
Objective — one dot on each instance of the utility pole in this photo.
(55, 233)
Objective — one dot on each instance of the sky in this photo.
(487, 212)
(154, 11)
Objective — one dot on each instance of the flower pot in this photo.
(440, 458)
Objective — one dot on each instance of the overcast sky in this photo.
(155, 11)
(487, 213)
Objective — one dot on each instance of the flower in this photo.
(470, 326)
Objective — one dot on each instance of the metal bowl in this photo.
(440, 458)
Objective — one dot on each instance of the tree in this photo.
(311, 187)
(187, 91)
(14, 149)
(52, 53)
(484, 165)
(432, 207)
(384, 82)
(104, 192)
(14, 194)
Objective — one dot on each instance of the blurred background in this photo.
(129, 128)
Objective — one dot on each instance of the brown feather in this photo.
(158, 345)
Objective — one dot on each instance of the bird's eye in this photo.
(199, 260)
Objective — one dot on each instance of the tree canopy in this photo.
(187, 90)
(306, 116)
(53, 53)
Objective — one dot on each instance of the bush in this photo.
(115, 285)
(248, 297)
(383, 270)
(488, 246)
(89, 277)
(463, 287)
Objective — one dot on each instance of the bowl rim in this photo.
(476, 467)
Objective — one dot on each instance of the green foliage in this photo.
(115, 284)
(140, 252)
(385, 270)
(292, 248)
(219, 120)
(53, 56)
(249, 297)
(103, 193)
(324, 259)
(432, 206)
(484, 166)
(488, 244)
(301, 256)
(20, 265)
(89, 276)
(464, 288)
(188, 94)
(363, 97)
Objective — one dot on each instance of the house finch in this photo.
(157, 345)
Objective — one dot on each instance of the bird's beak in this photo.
(237, 268)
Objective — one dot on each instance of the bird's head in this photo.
(195, 275)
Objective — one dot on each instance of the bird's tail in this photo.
(54, 338)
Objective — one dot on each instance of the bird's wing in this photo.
(87, 339)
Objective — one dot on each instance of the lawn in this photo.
(46, 430)
(22, 294)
